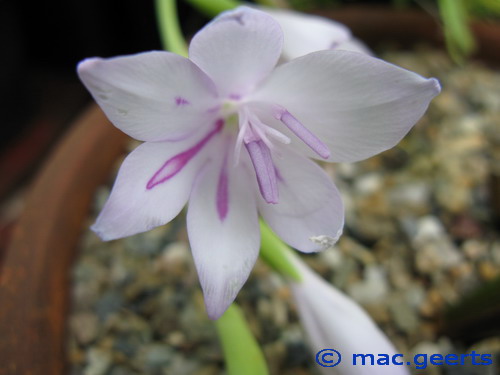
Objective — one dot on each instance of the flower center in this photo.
(258, 140)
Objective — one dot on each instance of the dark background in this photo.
(40, 94)
(42, 41)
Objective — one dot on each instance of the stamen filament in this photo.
(264, 169)
(303, 133)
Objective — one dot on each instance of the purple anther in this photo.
(264, 169)
(303, 133)
(175, 164)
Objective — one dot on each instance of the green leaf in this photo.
(241, 351)
(274, 252)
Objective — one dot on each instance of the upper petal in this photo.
(356, 104)
(237, 50)
(135, 204)
(223, 232)
(150, 96)
(305, 33)
(309, 214)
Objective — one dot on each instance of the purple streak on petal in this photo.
(234, 96)
(175, 164)
(264, 169)
(181, 102)
(222, 197)
(303, 133)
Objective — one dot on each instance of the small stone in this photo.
(378, 312)
(372, 288)
(398, 273)
(368, 184)
(174, 260)
(415, 295)
(487, 271)
(181, 364)
(403, 314)
(98, 362)
(432, 304)
(434, 249)
(414, 195)
(474, 249)
(152, 357)
(176, 339)
(85, 327)
(332, 258)
(109, 303)
(428, 228)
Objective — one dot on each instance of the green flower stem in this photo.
(275, 253)
(459, 39)
(212, 8)
(241, 351)
(170, 31)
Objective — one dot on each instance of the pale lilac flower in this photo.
(306, 33)
(231, 133)
(334, 321)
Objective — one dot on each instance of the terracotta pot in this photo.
(35, 279)
(35, 275)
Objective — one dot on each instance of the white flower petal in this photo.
(145, 195)
(305, 33)
(151, 96)
(334, 321)
(223, 232)
(237, 50)
(356, 104)
(309, 215)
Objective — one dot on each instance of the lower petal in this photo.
(309, 215)
(133, 207)
(223, 232)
